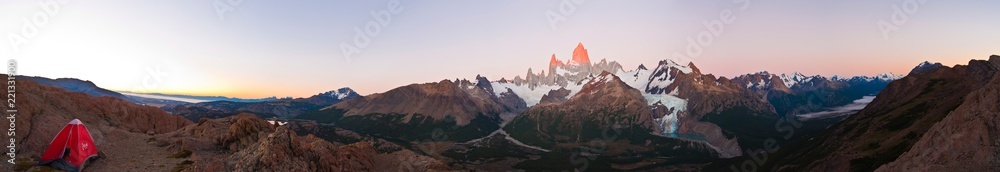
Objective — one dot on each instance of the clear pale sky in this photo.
(293, 48)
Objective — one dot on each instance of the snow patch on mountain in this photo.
(672, 64)
(882, 77)
(888, 76)
(561, 71)
(641, 79)
(759, 84)
(340, 93)
(927, 65)
(602, 79)
(636, 78)
(662, 81)
(534, 95)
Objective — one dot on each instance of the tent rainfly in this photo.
(71, 148)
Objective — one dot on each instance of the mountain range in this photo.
(580, 116)
(673, 104)
(278, 108)
(193, 99)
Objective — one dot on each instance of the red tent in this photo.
(71, 148)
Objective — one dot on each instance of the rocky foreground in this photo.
(247, 143)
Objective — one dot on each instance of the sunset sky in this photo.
(293, 48)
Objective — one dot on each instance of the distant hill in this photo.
(195, 99)
(77, 85)
(283, 108)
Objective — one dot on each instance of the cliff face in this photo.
(968, 139)
(580, 55)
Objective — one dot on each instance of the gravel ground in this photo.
(126, 151)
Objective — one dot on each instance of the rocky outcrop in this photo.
(282, 150)
(995, 60)
(406, 160)
(554, 63)
(245, 142)
(580, 55)
(230, 133)
(555, 96)
(510, 99)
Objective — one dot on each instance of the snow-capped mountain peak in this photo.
(580, 55)
(341, 93)
(924, 64)
(666, 64)
(888, 76)
(795, 78)
(568, 75)
(600, 79)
